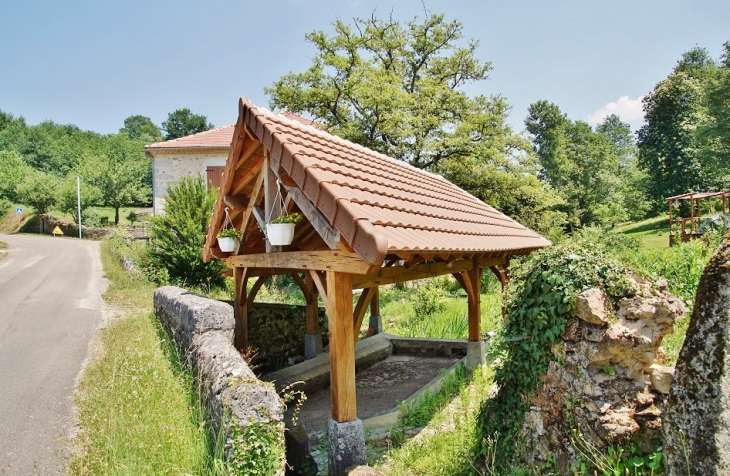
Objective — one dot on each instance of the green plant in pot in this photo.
(227, 239)
(280, 231)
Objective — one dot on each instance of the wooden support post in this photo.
(474, 278)
(342, 346)
(240, 308)
(376, 324)
(312, 312)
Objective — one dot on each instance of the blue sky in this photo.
(94, 63)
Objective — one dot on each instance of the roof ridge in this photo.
(178, 139)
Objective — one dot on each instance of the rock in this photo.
(590, 306)
(362, 471)
(661, 378)
(602, 388)
(697, 417)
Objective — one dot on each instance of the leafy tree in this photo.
(66, 199)
(182, 122)
(713, 133)
(395, 88)
(668, 148)
(139, 126)
(38, 190)
(121, 173)
(178, 236)
(399, 89)
(593, 171)
(12, 172)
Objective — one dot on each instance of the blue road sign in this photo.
(18, 210)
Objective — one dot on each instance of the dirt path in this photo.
(50, 290)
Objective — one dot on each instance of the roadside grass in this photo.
(136, 407)
(3, 246)
(102, 212)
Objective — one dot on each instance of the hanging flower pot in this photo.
(280, 232)
(227, 239)
(227, 245)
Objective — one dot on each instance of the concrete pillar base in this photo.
(376, 325)
(346, 445)
(476, 354)
(312, 346)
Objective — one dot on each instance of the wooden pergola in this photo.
(369, 220)
(688, 227)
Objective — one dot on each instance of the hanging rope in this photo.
(227, 222)
(278, 199)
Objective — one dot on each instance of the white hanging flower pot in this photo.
(226, 244)
(280, 234)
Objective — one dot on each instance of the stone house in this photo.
(203, 153)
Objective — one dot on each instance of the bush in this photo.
(4, 207)
(429, 299)
(542, 294)
(178, 236)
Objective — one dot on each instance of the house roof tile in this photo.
(219, 138)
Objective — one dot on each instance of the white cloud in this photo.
(626, 108)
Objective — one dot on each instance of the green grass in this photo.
(102, 211)
(446, 445)
(135, 403)
(451, 322)
(654, 232)
(3, 246)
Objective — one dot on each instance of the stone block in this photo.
(476, 354)
(346, 445)
(312, 346)
(661, 378)
(591, 307)
(376, 325)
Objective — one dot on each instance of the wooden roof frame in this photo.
(336, 248)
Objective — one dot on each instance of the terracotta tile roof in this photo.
(380, 205)
(219, 138)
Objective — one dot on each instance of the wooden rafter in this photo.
(329, 234)
(249, 209)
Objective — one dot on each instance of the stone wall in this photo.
(277, 332)
(606, 384)
(238, 405)
(169, 167)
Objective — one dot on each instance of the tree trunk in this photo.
(116, 216)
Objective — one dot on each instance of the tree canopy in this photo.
(398, 88)
(139, 126)
(182, 122)
(593, 170)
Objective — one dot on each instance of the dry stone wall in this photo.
(236, 401)
(606, 383)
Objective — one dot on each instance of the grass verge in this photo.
(446, 445)
(135, 406)
(3, 246)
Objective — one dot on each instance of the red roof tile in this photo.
(380, 205)
(219, 138)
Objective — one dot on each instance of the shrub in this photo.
(542, 295)
(178, 236)
(429, 299)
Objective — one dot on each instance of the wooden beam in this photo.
(255, 290)
(328, 233)
(399, 274)
(312, 312)
(321, 285)
(361, 308)
(240, 308)
(318, 260)
(342, 347)
(249, 210)
(474, 304)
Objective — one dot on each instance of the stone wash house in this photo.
(203, 153)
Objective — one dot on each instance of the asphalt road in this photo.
(50, 305)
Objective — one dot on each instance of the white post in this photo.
(78, 202)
